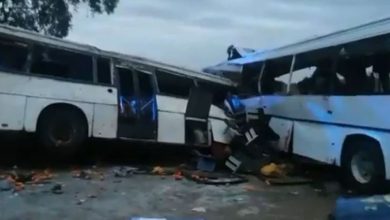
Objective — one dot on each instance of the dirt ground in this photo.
(151, 196)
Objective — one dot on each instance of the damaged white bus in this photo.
(67, 92)
(328, 99)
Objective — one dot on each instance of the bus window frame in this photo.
(176, 75)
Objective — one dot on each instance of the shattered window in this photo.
(302, 81)
(366, 75)
(273, 85)
(174, 85)
(103, 71)
(219, 91)
(378, 72)
(318, 78)
(13, 55)
(60, 63)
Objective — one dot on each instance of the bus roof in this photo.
(18, 33)
(365, 31)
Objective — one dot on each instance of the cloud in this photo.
(196, 34)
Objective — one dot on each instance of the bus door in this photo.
(197, 125)
(137, 104)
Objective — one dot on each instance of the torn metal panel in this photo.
(284, 129)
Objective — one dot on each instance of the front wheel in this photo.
(363, 166)
(62, 131)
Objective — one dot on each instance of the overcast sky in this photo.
(196, 33)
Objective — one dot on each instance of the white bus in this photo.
(328, 99)
(66, 92)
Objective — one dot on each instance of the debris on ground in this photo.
(82, 174)
(178, 175)
(57, 189)
(41, 177)
(17, 179)
(286, 180)
(199, 209)
(250, 187)
(6, 185)
(205, 162)
(88, 174)
(217, 178)
(18, 186)
(295, 193)
(252, 210)
(158, 171)
(80, 201)
(274, 170)
(92, 196)
(125, 171)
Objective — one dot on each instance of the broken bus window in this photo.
(174, 85)
(103, 70)
(13, 55)
(61, 63)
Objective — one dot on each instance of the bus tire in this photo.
(62, 131)
(363, 167)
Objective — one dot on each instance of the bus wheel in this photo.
(363, 166)
(62, 131)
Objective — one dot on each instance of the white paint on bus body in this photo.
(320, 124)
(171, 121)
(24, 97)
(35, 86)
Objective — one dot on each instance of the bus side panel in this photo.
(105, 121)
(12, 109)
(171, 128)
(359, 111)
(36, 105)
(320, 142)
(324, 142)
(220, 131)
(171, 119)
(35, 86)
(219, 128)
(284, 129)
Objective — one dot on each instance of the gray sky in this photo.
(196, 33)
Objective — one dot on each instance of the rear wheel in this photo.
(363, 166)
(62, 131)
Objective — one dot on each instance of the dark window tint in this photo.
(60, 63)
(103, 71)
(171, 84)
(219, 91)
(145, 84)
(13, 55)
(126, 82)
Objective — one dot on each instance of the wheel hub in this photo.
(62, 132)
(362, 167)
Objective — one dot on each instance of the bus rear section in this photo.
(327, 100)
